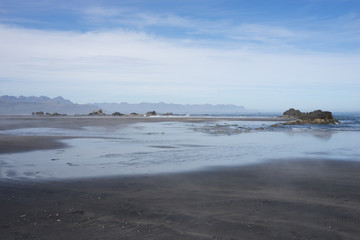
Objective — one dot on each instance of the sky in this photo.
(260, 54)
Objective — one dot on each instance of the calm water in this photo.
(151, 148)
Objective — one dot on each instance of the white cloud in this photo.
(106, 65)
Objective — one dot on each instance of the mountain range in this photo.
(27, 105)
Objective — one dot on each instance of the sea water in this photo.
(167, 147)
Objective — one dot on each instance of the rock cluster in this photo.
(100, 112)
(315, 117)
(38, 113)
(96, 113)
(55, 114)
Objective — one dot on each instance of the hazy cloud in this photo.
(160, 69)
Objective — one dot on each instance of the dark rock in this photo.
(117, 114)
(153, 113)
(38, 113)
(55, 114)
(167, 114)
(96, 113)
(292, 113)
(315, 117)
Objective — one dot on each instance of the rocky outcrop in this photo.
(315, 117)
(167, 114)
(292, 113)
(117, 114)
(97, 113)
(38, 113)
(55, 114)
(153, 113)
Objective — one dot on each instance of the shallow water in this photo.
(165, 147)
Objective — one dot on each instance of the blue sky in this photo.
(264, 55)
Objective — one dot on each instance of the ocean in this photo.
(161, 147)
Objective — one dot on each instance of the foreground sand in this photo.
(302, 199)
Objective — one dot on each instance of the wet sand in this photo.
(14, 144)
(15, 122)
(302, 199)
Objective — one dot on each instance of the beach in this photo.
(287, 196)
(179, 120)
(304, 199)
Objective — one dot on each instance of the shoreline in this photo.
(297, 199)
(12, 143)
(154, 118)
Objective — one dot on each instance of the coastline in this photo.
(297, 199)
(76, 122)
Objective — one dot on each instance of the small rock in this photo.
(153, 113)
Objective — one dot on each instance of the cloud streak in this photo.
(318, 34)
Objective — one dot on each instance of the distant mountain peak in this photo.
(60, 99)
(21, 98)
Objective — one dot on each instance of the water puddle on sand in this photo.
(151, 148)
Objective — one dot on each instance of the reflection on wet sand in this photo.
(159, 147)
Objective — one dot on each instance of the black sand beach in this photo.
(304, 199)
(278, 199)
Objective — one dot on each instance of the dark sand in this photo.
(302, 199)
(13, 144)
